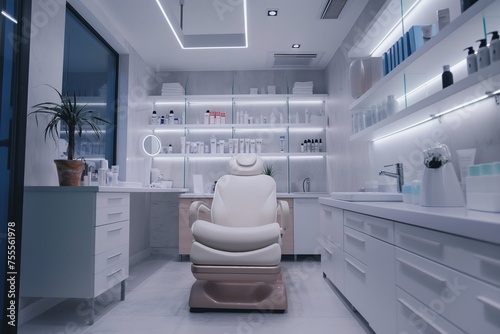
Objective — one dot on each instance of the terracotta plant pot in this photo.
(69, 172)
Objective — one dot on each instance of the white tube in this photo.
(465, 159)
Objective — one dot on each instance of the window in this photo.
(90, 72)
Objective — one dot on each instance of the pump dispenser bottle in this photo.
(154, 118)
(471, 60)
(483, 54)
(494, 46)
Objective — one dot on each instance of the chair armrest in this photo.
(194, 210)
(284, 213)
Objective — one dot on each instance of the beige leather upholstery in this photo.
(242, 241)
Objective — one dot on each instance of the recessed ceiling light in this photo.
(295, 46)
(272, 12)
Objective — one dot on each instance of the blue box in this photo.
(416, 38)
(385, 64)
(400, 50)
(406, 45)
(395, 59)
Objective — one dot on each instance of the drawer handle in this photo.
(385, 228)
(115, 213)
(489, 302)
(421, 240)
(115, 272)
(355, 266)
(354, 237)
(325, 246)
(421, 316)
(112, 256)
(487, 260)
(440, 280)
(115, 229)
(355, 221)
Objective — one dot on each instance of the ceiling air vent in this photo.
(333, 9)
(293, 59)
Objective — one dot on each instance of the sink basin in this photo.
(367, 196)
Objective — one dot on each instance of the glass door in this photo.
(14, 51)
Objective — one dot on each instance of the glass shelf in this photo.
(291, 164)
(416, 82)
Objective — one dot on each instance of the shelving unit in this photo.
(423, 70)
(292, 165)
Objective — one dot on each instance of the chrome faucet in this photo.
(306, 184)
(398, 175)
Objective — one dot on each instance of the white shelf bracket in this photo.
(434, 116)
(496, 95)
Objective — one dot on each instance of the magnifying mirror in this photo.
(151, 145)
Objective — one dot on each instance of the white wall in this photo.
(46, 59)
(352, 163)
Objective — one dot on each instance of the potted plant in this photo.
(76, 118)
(269, 169)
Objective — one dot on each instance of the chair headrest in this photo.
(246, 164)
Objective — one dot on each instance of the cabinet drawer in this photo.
(110, 257)
(356, 244)
(355, 284)
(468, 303)
(415, 318)
(473, 257)
(112, 214)
(332, 224)
(112, 199)
(111, 236)
(376, 227)
(327, 259)
(109, 277)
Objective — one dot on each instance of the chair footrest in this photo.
(270, 296)
(236, 273)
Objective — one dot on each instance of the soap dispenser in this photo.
(471, 60)
(483, 54)
(494, 46)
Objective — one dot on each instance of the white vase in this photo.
(392, 105)
(357, 78)
(440, 187)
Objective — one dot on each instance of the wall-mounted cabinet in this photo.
(416, 81)
(288, 131)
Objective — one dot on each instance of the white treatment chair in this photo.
(236, 257)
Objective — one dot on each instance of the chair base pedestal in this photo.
(264, 296)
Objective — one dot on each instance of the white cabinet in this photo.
(75, 242)
(416, 82)
(332, 244)
(306, 214)
(369, 269)
(456, 277)
(263, 124)
(423, 271)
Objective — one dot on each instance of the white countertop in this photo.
(279, 195)
(108, 189)
(479, 225)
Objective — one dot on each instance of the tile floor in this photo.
(156, 302)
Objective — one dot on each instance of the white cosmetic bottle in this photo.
(483, 54)
(471, 60)
(494, 46)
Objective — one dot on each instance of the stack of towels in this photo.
(174, 88)
(303, 87)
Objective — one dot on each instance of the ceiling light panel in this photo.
(208, 26)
